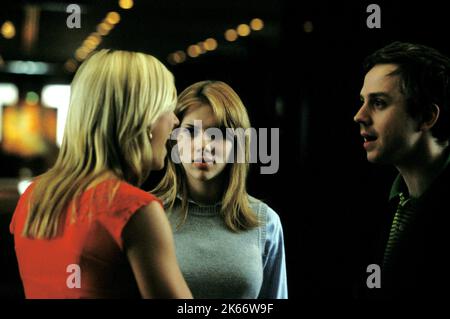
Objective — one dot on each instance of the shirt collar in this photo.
(399, 185)
(200, 205)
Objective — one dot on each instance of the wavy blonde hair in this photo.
(116, 96)
(230, 112)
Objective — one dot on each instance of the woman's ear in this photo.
(430, 117)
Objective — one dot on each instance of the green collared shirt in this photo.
(399, 185)
(405, 215)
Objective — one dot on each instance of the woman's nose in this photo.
(201, 141)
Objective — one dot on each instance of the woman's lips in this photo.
(201, 165)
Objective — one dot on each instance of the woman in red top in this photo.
(84, 229)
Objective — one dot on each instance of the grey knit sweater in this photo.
(219, 263)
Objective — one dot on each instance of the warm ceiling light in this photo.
(70, 65)
(243, 30)
(81, 53)
(231, 35)
(210, 44)
(88, 49)
(176, 57)
(90, 45)
(92, 41)
(8, 30)
(201, 45)
(107, 26)
(112, 17)
(179, 57)
(194, 51)
(104, 28)
(256, 24)
(171, 59)
(96, 35)
(126, 4)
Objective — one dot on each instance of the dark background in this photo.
(330, 200)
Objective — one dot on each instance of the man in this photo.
(404, 121)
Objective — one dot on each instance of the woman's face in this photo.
(160, 133)
(203, 156)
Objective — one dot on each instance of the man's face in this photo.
(390, 133)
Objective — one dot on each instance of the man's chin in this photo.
(376, 159)
(372, 158)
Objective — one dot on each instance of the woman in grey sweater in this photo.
(228, 244)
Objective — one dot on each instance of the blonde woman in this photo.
(228, 244)
(84, 229)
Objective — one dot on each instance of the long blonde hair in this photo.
(230, 112)
(116, 96)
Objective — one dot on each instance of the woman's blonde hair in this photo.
(116, 96)
(231, 113)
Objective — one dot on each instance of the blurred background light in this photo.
(126, 4)
(231, 35)
(23, 185)
(194, 51)
(112, 17)
(27, 67)
(9, 95)
(57, 96)
(210, 44)
(257, 24)
(243, 30)
(8, 30)
(32, 97)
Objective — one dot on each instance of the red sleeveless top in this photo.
(87, 260)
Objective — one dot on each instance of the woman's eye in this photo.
(216, 133)
(190, 130)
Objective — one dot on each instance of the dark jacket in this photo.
(420, 264)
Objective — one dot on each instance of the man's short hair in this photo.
(424, 79)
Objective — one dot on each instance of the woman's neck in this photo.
(205, 192)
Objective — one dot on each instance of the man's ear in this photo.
(429, 117)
